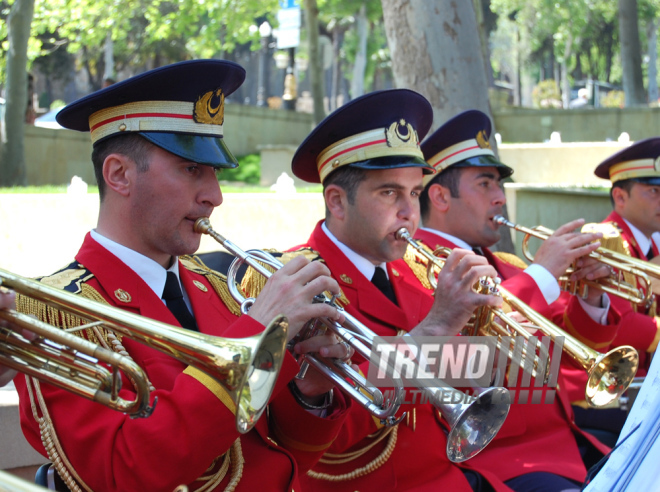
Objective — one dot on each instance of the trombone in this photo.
(473, 425)
(620, 263)
(609, 374)
(247, 368)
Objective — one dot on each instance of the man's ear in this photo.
(619, 197)
(336, 201)
(440, 197)
(118, 172)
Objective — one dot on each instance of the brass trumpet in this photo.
(247, 368)
(473, 425)
(620, 263)
(11, 483)
(488, 320)
(609, 374)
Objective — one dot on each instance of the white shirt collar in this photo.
(457, 241)
(643, 241)
(365, 267)
(147, 269)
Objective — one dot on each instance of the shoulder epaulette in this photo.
(70, 278)
(73, 279)
(217, 280)
(418, 264)
(511, 259)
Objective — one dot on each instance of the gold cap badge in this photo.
(401, 134)
(482, 140)
(210, 108)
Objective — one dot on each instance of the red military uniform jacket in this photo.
(626, 325)
(639, 331)
(418, 460)
(191, 427)
(534, 437)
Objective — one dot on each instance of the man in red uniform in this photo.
(537, 448)
(635, 198)
(157, 144)
(367, 156)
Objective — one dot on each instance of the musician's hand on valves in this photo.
(560, 250)
(315, 385)
(7, 301)
(291, 290)
(455, 297)
(591, 269)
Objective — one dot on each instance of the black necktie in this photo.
(381, 281)
(173, 297)
(650, 255)
(478, 251)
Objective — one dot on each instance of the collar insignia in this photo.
(346, 279)
(210, 108)
(395, 273)
(123, 296)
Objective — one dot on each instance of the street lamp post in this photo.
(264, 31)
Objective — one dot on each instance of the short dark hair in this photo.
(348, 179)
(449, 178)
(130, 145)
(624, 184)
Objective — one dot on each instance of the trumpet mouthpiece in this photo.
(402, 233)
(202, 225)
(501, 220)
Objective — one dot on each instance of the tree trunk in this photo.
(337, 40)
(631, 54)
(565, 84)
(12, 168)
(652, 37)
(483, 39)
(315, 65)
(434, 51)
(360, 67)
(108, 58)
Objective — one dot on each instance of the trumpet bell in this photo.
(474, 425)
(258, 381)
(611, 375)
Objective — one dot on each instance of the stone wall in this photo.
(55, 156)
(518, 125)
(558, 164)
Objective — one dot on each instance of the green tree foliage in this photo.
(146, 33)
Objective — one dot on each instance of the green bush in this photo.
(248, 170)
(546, 94)
(613, 99)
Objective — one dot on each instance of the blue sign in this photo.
(289, 4)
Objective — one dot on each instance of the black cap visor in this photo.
(210, 151)
(392, 162)
(486, 161)
(650, 180)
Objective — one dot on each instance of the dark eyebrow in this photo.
(394, 185)
(487, 175)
